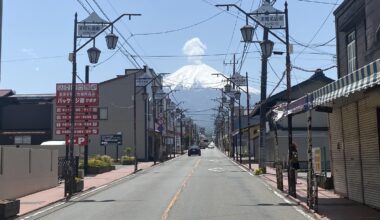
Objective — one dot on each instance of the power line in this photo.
(88, 11)
(122, 36)
(312, 71)
(317, 32)
(319, 2)
(178, 29)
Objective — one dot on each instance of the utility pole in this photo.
(291, 170)
(154, 124)
(263, 96)
(232, 105)
(1, 30)
(181, 131)
(134, 121)
(87, 80)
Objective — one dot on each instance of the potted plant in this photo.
(127, 160)
(9, 208)
(79, 184)
(100, 164)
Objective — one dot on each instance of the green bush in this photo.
(127, 160)
(106, 159)
(100, 161)
(258, 171)
(128, 151)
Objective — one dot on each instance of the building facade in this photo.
(25, 119)
(320, 126)
(355, 100)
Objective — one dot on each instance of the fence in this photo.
(24, 171)
(63, 164)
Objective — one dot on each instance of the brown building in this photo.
(355, 120)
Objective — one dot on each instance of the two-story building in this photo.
(353, 102)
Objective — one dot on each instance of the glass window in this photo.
(103, 113)
(351, 52)
(26, 139)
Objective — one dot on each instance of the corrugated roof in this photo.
(6, 92)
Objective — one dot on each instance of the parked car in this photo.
(194, 150)
(211, 145)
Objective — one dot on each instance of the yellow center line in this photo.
(175, 197)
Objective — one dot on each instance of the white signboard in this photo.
(140, 82)
(90, 26)
(267, 16)
(160, 95)
(239, 80)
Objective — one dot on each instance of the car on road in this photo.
(211, 145)
(194, 150)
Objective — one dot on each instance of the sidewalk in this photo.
(41, 199)
(330, 205)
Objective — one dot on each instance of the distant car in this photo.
(211, 145)
(194, 150)
(203, 143)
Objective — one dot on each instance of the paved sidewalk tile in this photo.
(43, 198)
(330, 205)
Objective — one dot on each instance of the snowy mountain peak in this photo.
(194, 76)
(197, 76)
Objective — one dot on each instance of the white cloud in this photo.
(194, 49)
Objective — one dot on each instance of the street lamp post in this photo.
(93, 54)
(247, 33)
(237, 96)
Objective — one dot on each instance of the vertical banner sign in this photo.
(86, 111)
(317, 160)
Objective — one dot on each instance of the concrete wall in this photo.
(24, 171)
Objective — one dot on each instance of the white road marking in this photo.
(303, 213)
(216, 169)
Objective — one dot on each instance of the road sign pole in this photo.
(85, 159)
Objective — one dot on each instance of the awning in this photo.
(363, 78)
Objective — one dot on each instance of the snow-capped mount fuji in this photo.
(196, 86)
(194, 76)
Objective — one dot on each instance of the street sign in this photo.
(77, 124)
(79, 101)
(83, 140)
(90, 26)
(317, 160)
(77, 109)
(65, 117)
(239, 80)
(270, 17)
(111, 139)
(77, 131)
(160, 95)
(86, 94)
(79, 87)
(140, 82)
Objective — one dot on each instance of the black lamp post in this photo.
(266, 48)
(237, 97)
(93, 54)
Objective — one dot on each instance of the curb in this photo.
(83, 192)
(274, 189)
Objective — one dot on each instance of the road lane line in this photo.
(175, 197)
(299, 210)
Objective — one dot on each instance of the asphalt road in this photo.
(206, 187)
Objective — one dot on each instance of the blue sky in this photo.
(38, 35)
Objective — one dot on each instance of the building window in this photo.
(103, 113)
(351, 52)
(25, 139)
